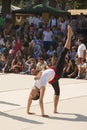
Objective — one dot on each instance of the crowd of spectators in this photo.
(28, 47)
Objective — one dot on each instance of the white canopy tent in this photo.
(77, 11)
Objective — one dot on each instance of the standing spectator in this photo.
(47, 38)
(53, 22)
(8, 18)
(81, 53)
(37, 21)
(30, 19)
(63, 25)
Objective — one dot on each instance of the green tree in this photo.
(82, 4)
(6, 4)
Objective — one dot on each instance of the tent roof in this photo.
(78, 11)
(39, 9)
(14, 8)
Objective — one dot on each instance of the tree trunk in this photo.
(6, 7)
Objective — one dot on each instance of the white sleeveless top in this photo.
(46, 76)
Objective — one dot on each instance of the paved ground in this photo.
(14, 90)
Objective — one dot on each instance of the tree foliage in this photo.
(82, 4)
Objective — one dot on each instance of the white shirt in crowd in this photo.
(63, 26)
(80, 51)
(30, 19)
(51, 53)
(53, 22)
(47, 36)
(37, 20)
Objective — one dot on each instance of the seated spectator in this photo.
(25, 47)
(81, 72)
(74, 73)
(17, 65)
(4, 63)
(31, 49)
(38, 46)
(51, 51)
(59, 48)
(2, 44)
(70, 69)
(44, 54)
(31, 29)
(40, 64)
(30, 66)
(73, 53)
(86, 66)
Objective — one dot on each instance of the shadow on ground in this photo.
(77, 118)
(19, 118)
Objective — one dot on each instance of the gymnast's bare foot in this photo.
(55, 112)
(45, 116)
(30, 113)
(70, 32)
